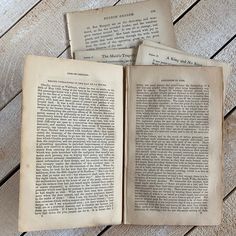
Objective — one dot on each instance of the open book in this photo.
(100, 146)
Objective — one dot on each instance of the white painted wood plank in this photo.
(228, 225)
(9, 194)
(42, 32)
(137, 230)
(180, 6)
(228, 54)
(10, 127)
(207, 27)
(177, 6)
(11, 11)
(229, 153)
(10, 119)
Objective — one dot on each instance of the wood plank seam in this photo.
(20, 18)
(186, 11)
(9, 175)
(174, 22)
(26, 14)
(226, 196)
(104, 230)
(10, 100)
(220, 49)
(116, 3)
(229, 113)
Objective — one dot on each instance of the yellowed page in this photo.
(72, 144)
(114, 56)
(121, 26)
(174, 145)
(157, 56)
(151, 43)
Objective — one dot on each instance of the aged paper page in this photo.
(72, 144)
(121, 26)
(114, 56)
(174, 145)
(151, 43)
(157, 56)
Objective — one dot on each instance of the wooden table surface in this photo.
(202, 27)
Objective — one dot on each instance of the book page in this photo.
(121, 26)
(173, 166)
(72, 144)
(157, 56)
(115, 56)
(151, 43)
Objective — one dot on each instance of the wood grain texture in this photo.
(180, 6)
(10, 119)
(9, 206)
(9, 198)
(177, 6)
(228, 54)
(137, 230)
(208, 26)
(205, 29)
(228, 225)
(230, 153)
(12, 10)
(42, 32)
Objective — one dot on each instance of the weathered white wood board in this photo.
(12, 10)
(228, 54)
(177, 6)
(41, 32)
(10, 119)
(9, 206)
(226, 228)
(45, 26)
(229, 153)
(228, 225)
(207, 27)
(180, 6)
(9, 198)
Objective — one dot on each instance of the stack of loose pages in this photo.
(131, 34)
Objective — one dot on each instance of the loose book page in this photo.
(72, 144)
(115, 56)
(121, 26)
(157, 56)
(151, 43)
(174, 152)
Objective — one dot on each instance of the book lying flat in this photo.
(105, 145)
